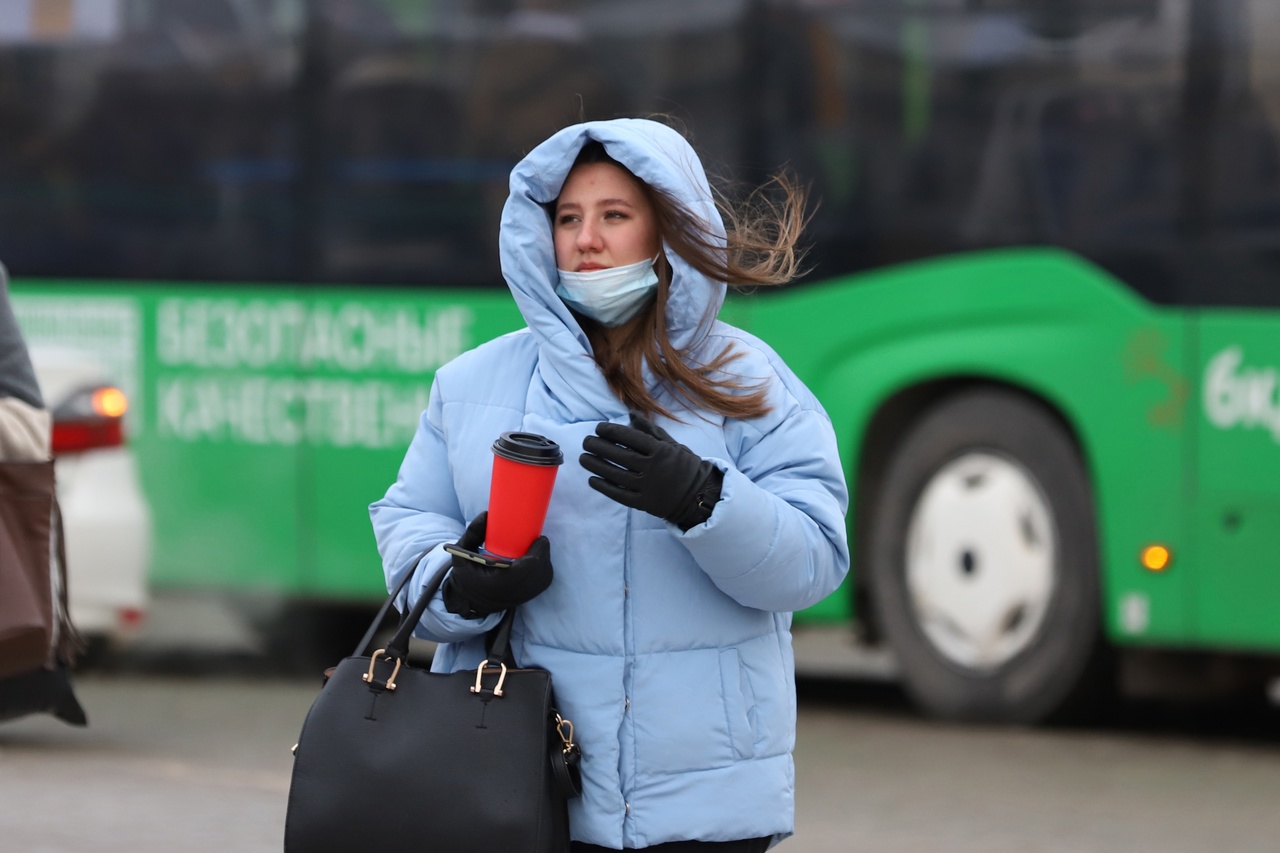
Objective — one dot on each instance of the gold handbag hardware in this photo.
(497, 691)
(561, 725)
(373, 660)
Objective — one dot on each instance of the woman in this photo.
(708, 502)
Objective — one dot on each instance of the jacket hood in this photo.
(654, 153)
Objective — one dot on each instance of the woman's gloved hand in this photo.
(474, 590)
(643, 467)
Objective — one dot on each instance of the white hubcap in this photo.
(981, 560)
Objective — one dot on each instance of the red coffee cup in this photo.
(524, 470)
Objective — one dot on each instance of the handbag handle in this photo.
(366, 642)
(498, 642)
(399, 645)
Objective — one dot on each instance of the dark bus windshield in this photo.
(352, 141)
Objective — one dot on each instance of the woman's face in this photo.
(603, 219)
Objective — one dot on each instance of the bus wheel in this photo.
(983, 562)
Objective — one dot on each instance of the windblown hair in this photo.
(760, 249)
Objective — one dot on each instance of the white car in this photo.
(105, 513)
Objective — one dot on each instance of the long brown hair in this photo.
(762, 233)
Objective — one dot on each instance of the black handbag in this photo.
(394, 757)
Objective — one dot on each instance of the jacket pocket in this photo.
(680, 713)
(739, 703)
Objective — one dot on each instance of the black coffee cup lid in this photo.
(529, 448)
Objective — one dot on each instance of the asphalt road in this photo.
(176, 760)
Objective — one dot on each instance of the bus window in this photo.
(1242, 161)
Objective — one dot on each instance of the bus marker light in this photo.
(1156, 558)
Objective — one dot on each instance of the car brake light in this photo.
(90, 418)
(129, 618)
(110, 402)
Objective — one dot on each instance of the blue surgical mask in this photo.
(610, 296)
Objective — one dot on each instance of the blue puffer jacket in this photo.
(670, 650)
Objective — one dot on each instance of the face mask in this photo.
(611, 296)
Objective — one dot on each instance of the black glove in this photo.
(641, 466)
(474, 590)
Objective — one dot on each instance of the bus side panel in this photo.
(1238, 478)
(223, 491)
(264, 421)
(409, 334)
(1038, 321)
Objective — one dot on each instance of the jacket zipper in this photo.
(628, 645)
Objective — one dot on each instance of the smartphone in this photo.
(482, 559)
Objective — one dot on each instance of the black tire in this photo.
(1005, 529)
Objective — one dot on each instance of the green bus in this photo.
(1041, 307)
